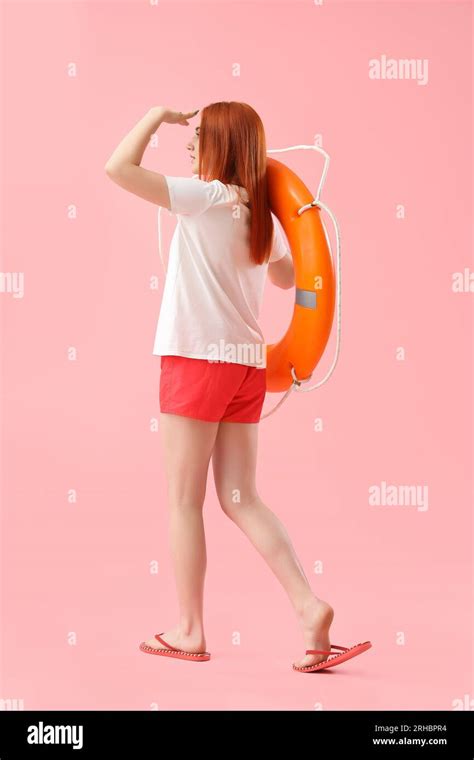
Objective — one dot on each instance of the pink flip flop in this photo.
(173, 652)
(346, 654)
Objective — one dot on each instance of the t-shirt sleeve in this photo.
(192, 196)
(280, 244)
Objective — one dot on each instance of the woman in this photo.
(212, 383)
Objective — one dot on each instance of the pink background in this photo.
(78, 589)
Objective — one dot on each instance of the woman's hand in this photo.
(175, 117)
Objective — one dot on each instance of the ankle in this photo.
(308, 601)
(191, 629)
(312, 605)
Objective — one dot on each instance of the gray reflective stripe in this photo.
(306, 298)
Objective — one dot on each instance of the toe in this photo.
(154, 643)
(310, 659)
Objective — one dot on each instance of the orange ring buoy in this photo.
(306, 338)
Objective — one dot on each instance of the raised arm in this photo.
(123, 166)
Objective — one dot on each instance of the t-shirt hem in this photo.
(176, 352)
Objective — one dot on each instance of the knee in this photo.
(234, 504)
(184, 499)
(185, 506)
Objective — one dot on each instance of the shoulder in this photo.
(192, 196)
(219, 189)
(218, 193)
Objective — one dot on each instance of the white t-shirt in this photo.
(213, 290)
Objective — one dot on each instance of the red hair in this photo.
(232, 149)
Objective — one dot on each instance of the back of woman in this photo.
(213, 289)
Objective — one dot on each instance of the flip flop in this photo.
(173, 652)
(346, 654)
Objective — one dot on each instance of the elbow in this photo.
(283, 284)
(111, 168)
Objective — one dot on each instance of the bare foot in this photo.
(177, 639)
(316, 620)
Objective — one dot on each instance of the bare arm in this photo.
(281, 273)
(123, 166)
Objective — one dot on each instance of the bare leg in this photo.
(187, 445)
(234, 465)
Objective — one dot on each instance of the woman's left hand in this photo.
(175, 117)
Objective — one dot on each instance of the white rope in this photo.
(297, 382)
(160, 208)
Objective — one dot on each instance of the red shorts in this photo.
(211, 391)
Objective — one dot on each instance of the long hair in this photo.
(232, 149)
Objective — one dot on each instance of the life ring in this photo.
(304, 342)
